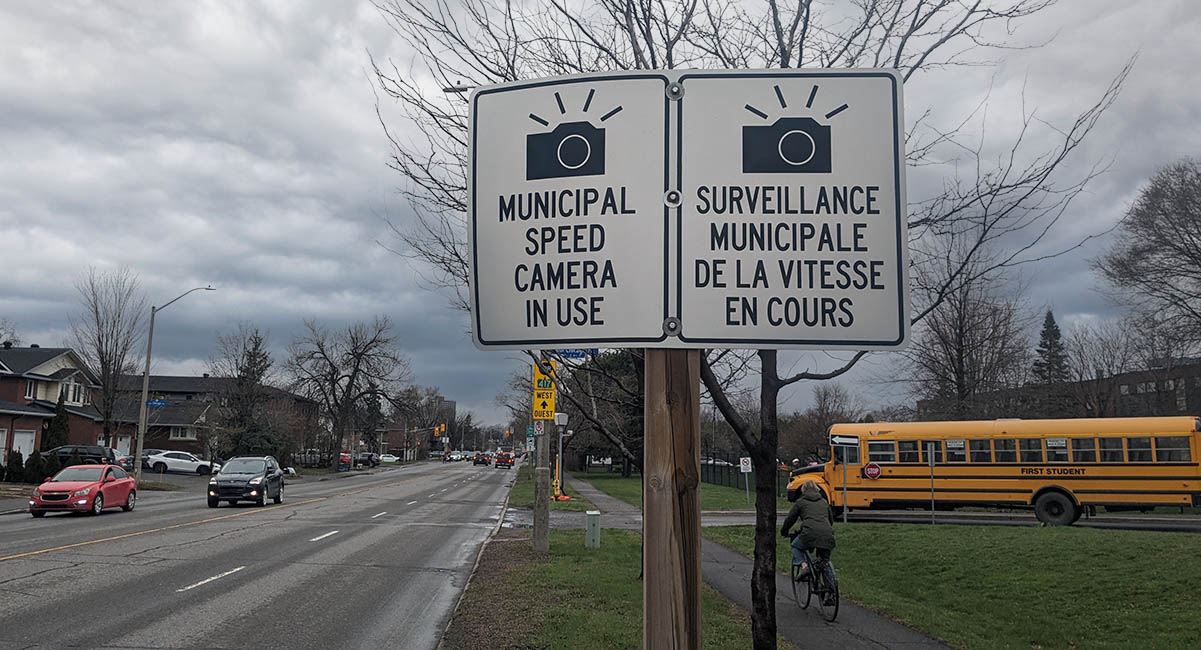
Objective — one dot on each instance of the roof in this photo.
(13, 408)
(89, 412)
(184, 384)
(174, 414)
(1015, 427)
(21, 360)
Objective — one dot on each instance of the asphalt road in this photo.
(368, 561)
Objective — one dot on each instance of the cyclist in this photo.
(816, 530)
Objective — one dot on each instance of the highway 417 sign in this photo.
(690, 209)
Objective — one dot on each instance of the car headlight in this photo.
(256, 480)
(82, 493)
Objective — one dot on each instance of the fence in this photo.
(732, 476)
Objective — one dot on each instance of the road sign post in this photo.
(744, 464)
(675, 210)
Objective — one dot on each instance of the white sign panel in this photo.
(844, 441)
(793, 224)
(568, 224)
(744, 464)
(690, 209)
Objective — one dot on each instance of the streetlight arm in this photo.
(208, 288)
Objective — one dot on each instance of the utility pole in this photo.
(671, 520)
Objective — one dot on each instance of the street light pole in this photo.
(137, 459)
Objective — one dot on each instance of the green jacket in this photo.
(817, 521)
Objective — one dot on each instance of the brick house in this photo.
(194, 408)
(31, 380)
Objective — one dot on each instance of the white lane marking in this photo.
(431, 496)
(320, 537)
(410, 503)
(443, 490)
(208, 580)
(379, 515)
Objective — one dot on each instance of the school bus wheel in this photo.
(1055, 508)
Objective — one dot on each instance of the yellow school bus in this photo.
(1058, 467)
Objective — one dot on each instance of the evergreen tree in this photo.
(52, 465)
(74, 459)
(59, 432)
(1051, 365)
(15, 468)
(34, 472)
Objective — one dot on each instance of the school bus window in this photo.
(956, 451)
(979, 451)
(1005, 450)
(1111, 450)
(1171, 448)
(926, 451)
(907, 451)
(1138, 450)
(848, 455)
(1057, 450)
(1084, 450)
(881, 451)
(1031, 450)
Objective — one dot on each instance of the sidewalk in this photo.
(730, 573)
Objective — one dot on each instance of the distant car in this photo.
(343, 462)
(126, 462)
(389, 458)
(92, 454)
(456, 456)
(85, 488)
(180, 461)
(480, 459)
(247, 478)
(366, 459)
(504, 460)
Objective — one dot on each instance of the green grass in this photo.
(1018, 587)
(713, 497)
(592, 599)
(522, 495)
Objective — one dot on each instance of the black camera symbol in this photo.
(572, 149)
(792, 144)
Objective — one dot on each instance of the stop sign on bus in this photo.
(872, 471)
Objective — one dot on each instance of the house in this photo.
(187, 411)
(31, 381)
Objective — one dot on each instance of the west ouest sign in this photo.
(676, 208)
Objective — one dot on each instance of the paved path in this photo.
(730, 573)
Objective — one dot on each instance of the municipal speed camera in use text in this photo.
(690, 209)
(567, 217)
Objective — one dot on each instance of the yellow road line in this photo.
(194, 523)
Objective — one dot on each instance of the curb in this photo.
(475, 567)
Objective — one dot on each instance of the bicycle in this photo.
(815, 584)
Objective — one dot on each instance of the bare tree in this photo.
(342, 369)
(106, 333)
(803, 434)
(1096, 354)
(1156, 261)
(968, 349)
(1016, 198)
(8, 332)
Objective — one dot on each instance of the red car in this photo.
(504, 460)
(85, 488)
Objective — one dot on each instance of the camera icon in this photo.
(571, 149)
(792, 145)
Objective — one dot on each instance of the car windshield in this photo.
(79, 474)
(244, 466)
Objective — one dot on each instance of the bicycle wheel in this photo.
(800, 587)
(827, 595)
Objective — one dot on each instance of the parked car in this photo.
(389, 458)
(504, 459)
(92, 454)
(366, 459)
(343, 462)
(247, 478)
(85, 488)
(125, 461)
(456, 456)
(180, 461)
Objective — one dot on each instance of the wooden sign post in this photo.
(671, 517)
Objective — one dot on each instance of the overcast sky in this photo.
(237, 144)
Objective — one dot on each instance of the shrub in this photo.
(15, 468)
(74, 459)
(34, 470)
(52, 465)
